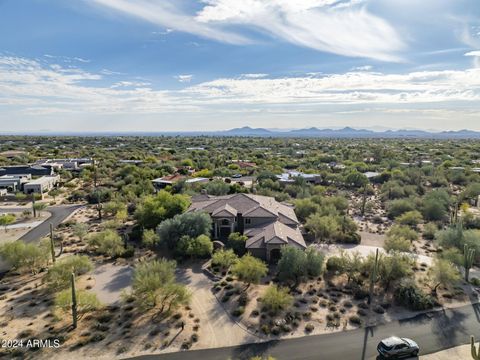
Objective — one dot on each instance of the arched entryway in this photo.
(274, 255)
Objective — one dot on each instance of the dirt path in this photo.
(110, 281)
(217, 328)
(372, 239)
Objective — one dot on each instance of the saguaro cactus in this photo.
(34, 210)
(364, 200)
(52, 243)
(373, 278)
(468, 257)
(74, 302)
(475, 353)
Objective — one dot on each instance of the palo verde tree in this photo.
(6, 220)
(154, 286)
(77, 302)
(442, 272)
(249, 269)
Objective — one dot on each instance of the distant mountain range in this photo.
(312, 132)
(349, 132)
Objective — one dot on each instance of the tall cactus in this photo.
(373, 278)
(364, 200)
(52, 243)
(468, 257)
(475, 353)
(34, 209)
(74, 301)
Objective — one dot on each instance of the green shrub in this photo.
(355, 320)
(58, 276)
(276, 298)
(238, 311)
(335, 263)
(412, 297)
(475, 281)
(20, 255)
(107, 242)
(309, 328)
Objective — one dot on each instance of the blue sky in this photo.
(167, 65)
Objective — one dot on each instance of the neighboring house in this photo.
(163, 182)
(246, 181)
(66, 164)
(371, 174)
(14, 182)
(41, 185)
(34, 170)
(268, 224)
(289, 177)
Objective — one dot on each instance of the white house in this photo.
(41, 185)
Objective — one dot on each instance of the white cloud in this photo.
(184, 78)
(363, 68)
(473, 53)
(29, 87)
(167, 13)
(349, 30)
(135, 84)
(254, 76)
(343, 27)
(347, 88)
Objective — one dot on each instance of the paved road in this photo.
(59, 213)
(434, 332)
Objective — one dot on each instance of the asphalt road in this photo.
(433, 332)
(59, 213)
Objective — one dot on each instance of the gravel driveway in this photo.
(217, 328)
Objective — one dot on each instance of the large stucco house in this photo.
(268, 224)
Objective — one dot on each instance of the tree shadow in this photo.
(247, 351)
(369, 330)
(448, 326)
(121, 279)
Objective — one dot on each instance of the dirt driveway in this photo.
(217, 328)
(110, 281)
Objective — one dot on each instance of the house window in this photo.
(248, 221)
(225, 222)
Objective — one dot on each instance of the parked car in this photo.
(236, 176)
(396, 347)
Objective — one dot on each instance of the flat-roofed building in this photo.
(162, 183)
(66, 164)
(13, 182)
(41, 185)
(34, 170)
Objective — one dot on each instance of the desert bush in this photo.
(412, 297)
(86, 302)
(154, 285)
(58, 276)
(355, 320)
(224, 258)
(276, 298)
(107, 242)
(21, 256)
(309, 328)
